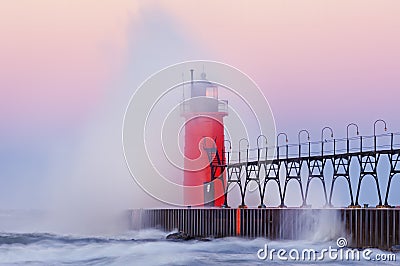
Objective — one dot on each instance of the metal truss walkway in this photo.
(308, 161)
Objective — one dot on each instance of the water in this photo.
(148, 247)
(145, 247)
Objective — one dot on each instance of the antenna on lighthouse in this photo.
(191, 82)
(183, 87)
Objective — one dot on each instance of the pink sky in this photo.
(57, 56)
(308, 56)
(61, 62)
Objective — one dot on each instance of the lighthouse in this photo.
(204, 144)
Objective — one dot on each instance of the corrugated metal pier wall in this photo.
(363, 227)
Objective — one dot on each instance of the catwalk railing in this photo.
(286, 163)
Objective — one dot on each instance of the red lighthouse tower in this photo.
(204, 141)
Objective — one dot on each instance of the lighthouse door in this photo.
(209, 194)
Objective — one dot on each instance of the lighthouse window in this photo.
(212, 92)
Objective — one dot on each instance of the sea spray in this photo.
(311, 225)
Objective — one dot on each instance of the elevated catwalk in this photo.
(363, 227)
(376, 156)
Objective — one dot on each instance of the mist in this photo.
(85, 186)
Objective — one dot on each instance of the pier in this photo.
(363, 227)
(327, 160)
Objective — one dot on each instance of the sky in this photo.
(68, 68)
